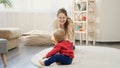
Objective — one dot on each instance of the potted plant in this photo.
(6, 3)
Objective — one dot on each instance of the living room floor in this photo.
(20, 57)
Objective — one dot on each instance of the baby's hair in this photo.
(59, 35)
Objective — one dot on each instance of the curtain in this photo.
(32, 14)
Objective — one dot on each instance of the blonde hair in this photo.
(59, 35)
(70, 31)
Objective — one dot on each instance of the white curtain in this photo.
(32, 14)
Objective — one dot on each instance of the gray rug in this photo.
(87, 57)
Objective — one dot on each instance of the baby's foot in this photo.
(41, 63)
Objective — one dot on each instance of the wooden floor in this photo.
(20, 56)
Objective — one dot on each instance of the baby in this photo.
(62, 52)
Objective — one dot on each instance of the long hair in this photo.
(68, 26)
(62, 10)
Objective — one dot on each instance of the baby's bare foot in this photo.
(41, 63)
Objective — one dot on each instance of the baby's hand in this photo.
(53, 40)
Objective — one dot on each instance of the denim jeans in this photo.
(62, 59)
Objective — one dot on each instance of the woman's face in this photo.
(62, 18)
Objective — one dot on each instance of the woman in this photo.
(64, 22)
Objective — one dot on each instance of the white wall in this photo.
(108, 21)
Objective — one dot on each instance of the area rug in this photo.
(86, 57)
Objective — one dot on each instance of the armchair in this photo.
(3, 50)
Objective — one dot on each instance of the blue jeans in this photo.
(64, 60)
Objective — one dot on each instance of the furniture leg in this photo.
(80, 38)
(86, 38)
(4, 59)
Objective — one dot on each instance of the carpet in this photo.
(87, 57)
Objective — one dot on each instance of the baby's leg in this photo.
(61, 59)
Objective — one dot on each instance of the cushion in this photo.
(36, 37)
(9, 33)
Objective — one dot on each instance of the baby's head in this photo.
(59, 35)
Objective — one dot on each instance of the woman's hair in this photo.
(68, 26)
(62, 10)
(59, 35)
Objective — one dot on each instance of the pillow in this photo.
(37, 39)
